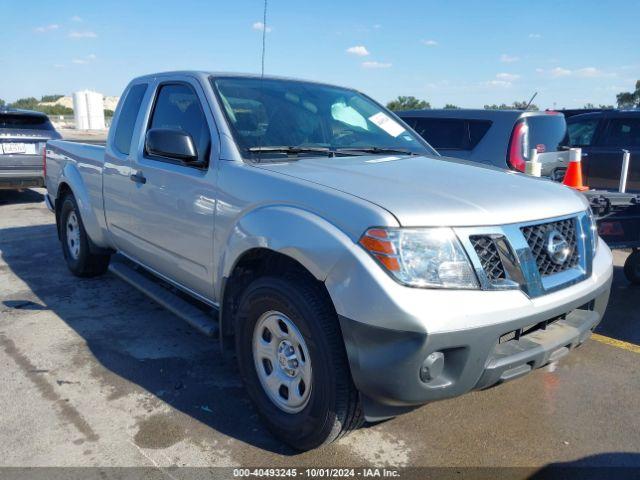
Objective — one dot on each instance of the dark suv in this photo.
(23, 135)
(503, 138)
(602, 137)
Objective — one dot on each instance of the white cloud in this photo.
(592, 72)
(377, 26)
(85, 34)
(359, 50)
(83, 61)
(560, 72)
(535, 35)
(76, 18)
(58, 65)
(499, 83)
(429, 43)
(375, 65)
(260, 26)
(505, 58)
(507, 77)
(47, 28)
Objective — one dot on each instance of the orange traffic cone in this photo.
(573, 177)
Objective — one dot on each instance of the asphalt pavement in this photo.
(95, 374)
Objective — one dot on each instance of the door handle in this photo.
(585, 155)
(138, 177)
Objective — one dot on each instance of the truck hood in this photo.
(438, 191)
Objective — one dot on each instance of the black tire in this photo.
(334, 407)
(85, 263)
(632, 268)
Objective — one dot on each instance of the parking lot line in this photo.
(632, 347)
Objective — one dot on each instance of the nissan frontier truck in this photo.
(357, 273)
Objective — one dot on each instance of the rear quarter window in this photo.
(127, 118)
(450, 134)
(22, 121)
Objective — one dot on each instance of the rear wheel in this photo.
(76, 244)
(632, 268)
(293, 362)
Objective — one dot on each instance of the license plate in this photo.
(10, 148)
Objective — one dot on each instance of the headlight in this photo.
(593, 226)
(425, 257)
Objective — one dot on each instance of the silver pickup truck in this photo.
(358, 273)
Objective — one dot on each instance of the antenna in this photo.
(264, 34)
(528, 104)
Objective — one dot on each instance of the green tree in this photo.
(28, 103)
(523, 106)
(407, 103)
(514, 106)
(108, 113)
(494, 106)
(2, 104)
(31, 103)
(451, 106)
(50, 98)
(54, 109)
(629, 99)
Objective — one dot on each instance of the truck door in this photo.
(117, 166)
(605, 162)
(172, 204)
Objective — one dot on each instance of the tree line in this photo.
(32, 103)
(623, 100)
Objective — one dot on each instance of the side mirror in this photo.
(171, 143)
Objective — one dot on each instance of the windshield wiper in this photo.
(291, 150)
(376, 150)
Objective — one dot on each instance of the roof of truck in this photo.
(205, 74)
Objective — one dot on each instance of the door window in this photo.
(451, 134)
(623, 133)
(581, 134)
(177, 106)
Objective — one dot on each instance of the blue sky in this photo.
(465, 52)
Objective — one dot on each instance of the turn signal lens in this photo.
(421, 257)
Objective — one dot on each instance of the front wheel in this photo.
(293, 362)
(75, 243)
(632, 268)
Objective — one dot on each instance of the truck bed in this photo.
(80, 165)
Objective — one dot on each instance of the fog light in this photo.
(432, 367)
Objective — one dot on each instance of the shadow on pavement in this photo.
(622, 319)
(610, 466)
(134, 339)
(20, 196)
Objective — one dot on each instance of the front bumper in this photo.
(391, 338)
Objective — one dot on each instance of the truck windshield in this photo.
(276, 117)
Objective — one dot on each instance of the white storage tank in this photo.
(95, 109)
(80, 111)
(88, 110)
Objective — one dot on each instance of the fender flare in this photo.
(88, 212)
(311, 240)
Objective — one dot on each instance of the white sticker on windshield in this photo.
(386, 123)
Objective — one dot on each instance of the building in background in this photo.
(88, 110)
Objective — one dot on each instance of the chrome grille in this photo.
(489, 257)
(536, 236)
